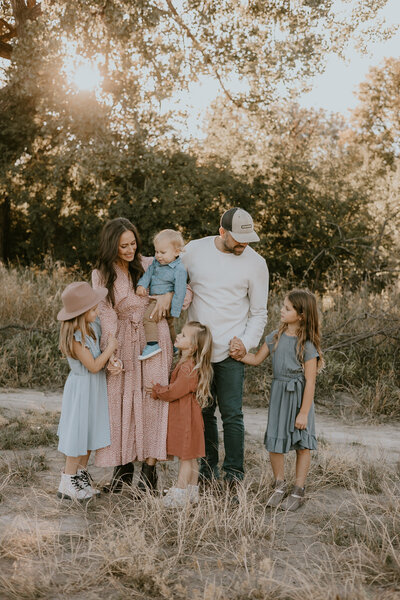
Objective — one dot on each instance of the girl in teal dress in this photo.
(84, 423)
(296, 356)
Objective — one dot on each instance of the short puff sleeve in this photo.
(310, 351)
(108, 316)
(269, 340)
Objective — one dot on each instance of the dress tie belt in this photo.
(131, 325)
(293, 385)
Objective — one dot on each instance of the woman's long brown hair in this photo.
(305, 304)
(108, 254)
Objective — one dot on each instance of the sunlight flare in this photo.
(86, 77)
(82, 73)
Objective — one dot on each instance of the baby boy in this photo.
(165, 274)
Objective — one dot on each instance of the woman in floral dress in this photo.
(138, 423)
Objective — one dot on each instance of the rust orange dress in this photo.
(185, 435)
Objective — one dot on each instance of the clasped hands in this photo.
(236, 348)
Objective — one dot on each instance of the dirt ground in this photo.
(376, 440)
(32, 512)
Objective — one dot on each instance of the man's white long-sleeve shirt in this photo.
(230, 293)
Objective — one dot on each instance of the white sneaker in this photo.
(193, 493)
(176, 498)
(70, 488)
(86, 481)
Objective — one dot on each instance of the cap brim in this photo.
(245, 238)
(99, 294)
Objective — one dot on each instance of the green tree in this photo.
(64, 151)
(376, 119)
(311, 200)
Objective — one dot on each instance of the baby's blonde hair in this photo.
(67, 331)
(171, 236)
(202, 342)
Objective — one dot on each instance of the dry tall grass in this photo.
(342, 545)
(367, 368)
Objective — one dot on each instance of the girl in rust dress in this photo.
(187, 393)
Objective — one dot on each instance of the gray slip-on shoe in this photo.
(280, 491)
(294, 500)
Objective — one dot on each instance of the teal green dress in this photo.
(84, 422)
(286, 397)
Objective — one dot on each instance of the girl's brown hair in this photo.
(202, 342)
(108, 254)
(67, 331)
(305, 304)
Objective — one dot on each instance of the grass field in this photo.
(361, 334)
(342, 545)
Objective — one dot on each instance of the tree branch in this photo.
(11, 31)
(361, 337)
(5, 50)
(205, 55)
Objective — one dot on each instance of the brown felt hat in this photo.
(79, 297)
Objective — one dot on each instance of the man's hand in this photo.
(161, 309)
(141, 291)
(237, 349)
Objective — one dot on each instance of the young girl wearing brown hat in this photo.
(84, 423)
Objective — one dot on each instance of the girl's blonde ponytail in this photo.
(202, 341)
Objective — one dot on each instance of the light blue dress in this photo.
(84, 423)
(286, 397)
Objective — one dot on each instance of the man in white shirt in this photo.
(230, 285)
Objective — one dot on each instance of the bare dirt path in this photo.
(43, 540)
(378, 440)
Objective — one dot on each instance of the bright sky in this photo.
(333, 91)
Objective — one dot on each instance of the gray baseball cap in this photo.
(240, 225)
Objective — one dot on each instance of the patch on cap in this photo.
(240, 225)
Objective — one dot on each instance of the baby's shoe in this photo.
(86, 481)
(176, 498)
(150, 350)
(175, 350)
(71, 488)
(193, 493)
(294, 500)
(280, 491)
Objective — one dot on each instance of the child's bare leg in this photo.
(302, 466)
(185, 473)
(195, 472)
(278, 465)
(83, 460)
(71, 464)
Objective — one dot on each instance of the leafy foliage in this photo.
(71, 159)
